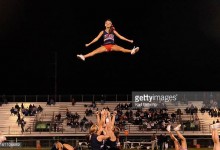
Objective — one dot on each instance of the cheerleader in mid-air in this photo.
(109, 43)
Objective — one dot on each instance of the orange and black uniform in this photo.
(109, 40)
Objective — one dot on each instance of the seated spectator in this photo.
(87, 112)
(52, 101)
(90, 112)
(48, 102)
(75, 123)
(192, 126)
(126, 106)
(12, 111)
(178, 111)
(76, 115)
(129, 105)
(152, 125)
(173, 117)
(34, 109)
(163, 125)
(84, 124)
(25, 112)
(39, 109)
(93, 104)
(17, 107)
(68, 113)
(196, 109)
(69, 122)
(58, 117)
(196, 122)
(15, 111)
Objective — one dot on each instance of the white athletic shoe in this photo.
(168, 127)
(177, 128)
(212, 126)
(81, 57)
(215, 126)
(134, 50)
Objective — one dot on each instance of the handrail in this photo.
(68, 98)
(184, 97)
(133, 129)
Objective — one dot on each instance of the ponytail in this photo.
(112, 28)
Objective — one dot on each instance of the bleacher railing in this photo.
(182, 96)
(132, 130)
(67, 98)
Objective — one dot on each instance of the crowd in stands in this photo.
(73, 120)
(89, 112)
(212, 108)
(31, 110)
(147, 119)
(194, 123)
(191, 109)
(22, 111)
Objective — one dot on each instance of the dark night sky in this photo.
(179, 46)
